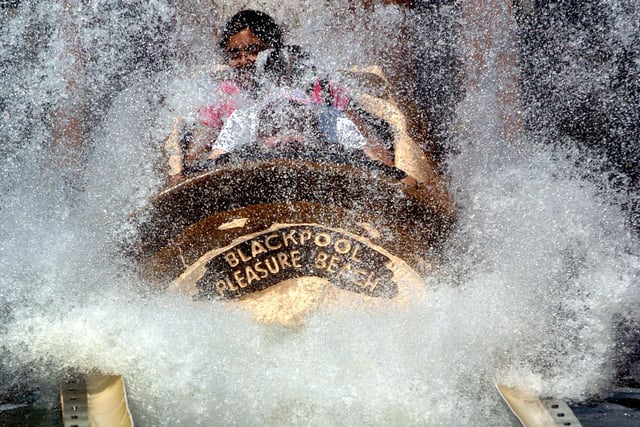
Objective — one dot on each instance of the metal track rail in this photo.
(73, 400)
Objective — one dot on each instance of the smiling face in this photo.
(242, 50)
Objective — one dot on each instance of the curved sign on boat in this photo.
(273, 256)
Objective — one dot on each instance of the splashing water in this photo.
(540, 267)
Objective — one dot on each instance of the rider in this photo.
(271, 87)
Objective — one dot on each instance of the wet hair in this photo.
(261, 25)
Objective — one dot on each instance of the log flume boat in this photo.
(259, 224)
(281, 233)
(254, 225)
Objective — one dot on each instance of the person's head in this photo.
(246, 34)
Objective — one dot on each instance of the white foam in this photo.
(540, 264)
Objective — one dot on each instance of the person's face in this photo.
(242, 50)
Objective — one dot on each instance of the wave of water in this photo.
(540, 268)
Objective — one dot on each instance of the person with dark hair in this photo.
(272, 93)
(260, 24)
(273, 103)
(244, 37)
(247, 34)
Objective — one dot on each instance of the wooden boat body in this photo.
(281, 236)
(250, 227)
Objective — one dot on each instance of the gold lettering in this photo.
(273, 269)
(257, 248)
(333, 264)
(354, 252)
(322, 239)
(321, 260)
(295, 257)
(251, 274)
(283, 258)
(232, 259)
(305, 235)
(342, 246)
(345, 271)
(360, 283)
(239, 280)
(260, 269)
(371, 283)
(271, 246)
(286, 237)
(243, 257)
(220, 287)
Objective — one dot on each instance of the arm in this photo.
(378, 133)
(185, 149)
(174, 147)
(420, 167)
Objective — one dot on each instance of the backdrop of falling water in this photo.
(541, 270)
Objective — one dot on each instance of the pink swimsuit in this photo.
(215, 115)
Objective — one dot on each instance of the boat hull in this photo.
(246, 231)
